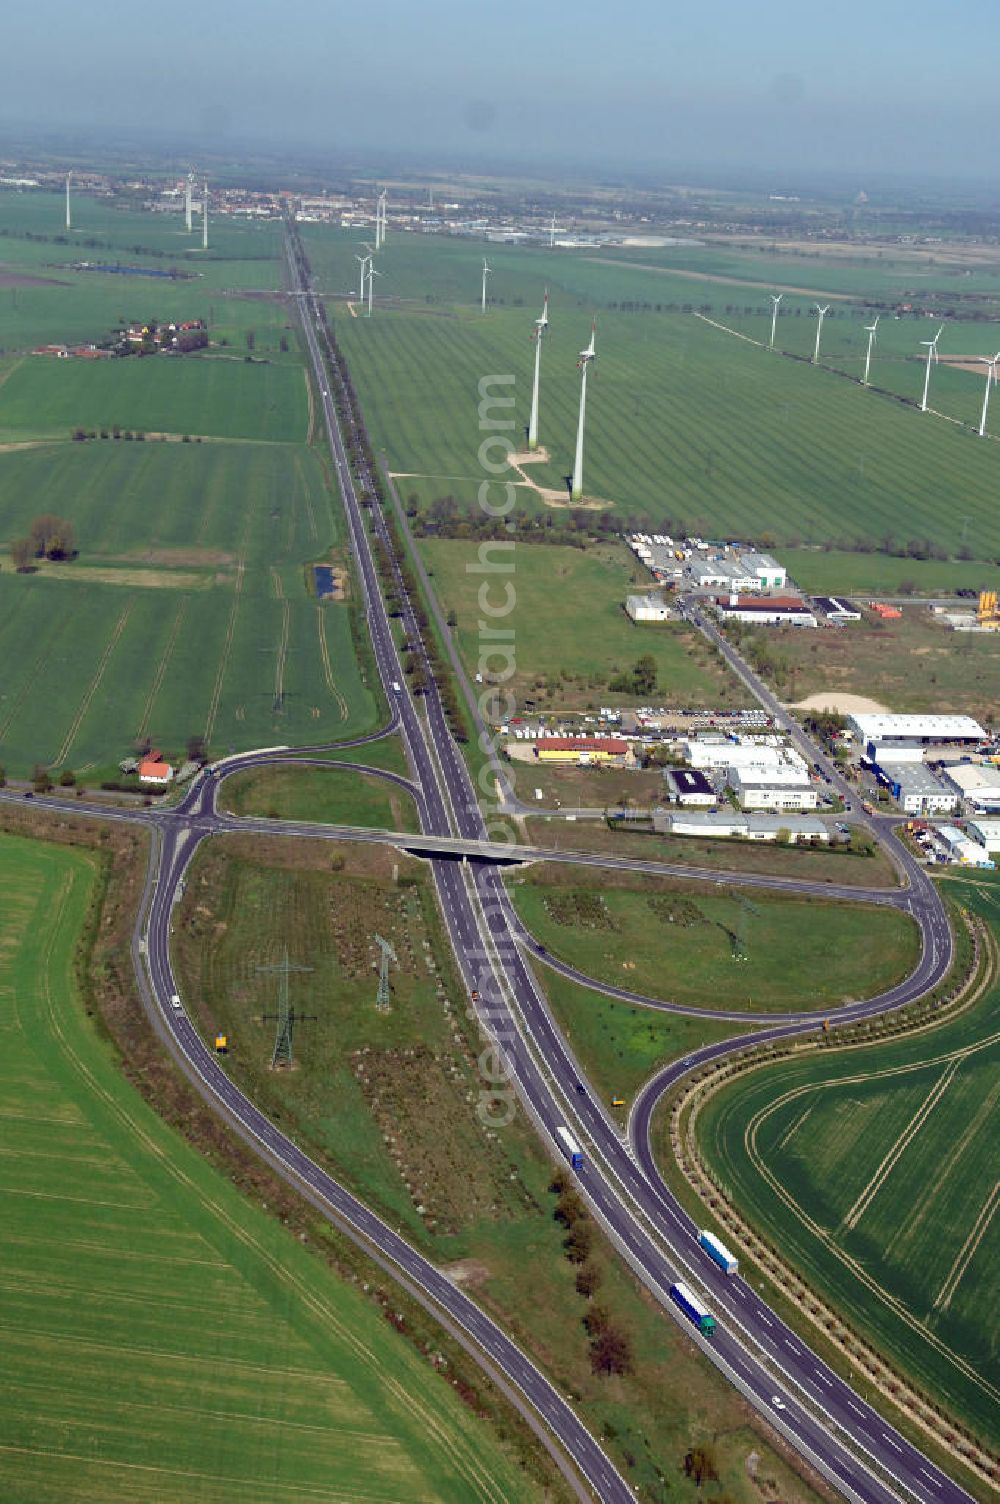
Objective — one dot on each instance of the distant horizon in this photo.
(27, 139)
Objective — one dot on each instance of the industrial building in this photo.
(961, 849)
(770, 610)
(836, 609)
(931, 730)
(651, 607)
(915, 787)
(735, 572)
(745, 827)
(581, 749)
(772, 789)
(720, 752)
(987, 834)
(977, 782)
(688, 786)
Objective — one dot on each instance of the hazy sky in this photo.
(882, 86)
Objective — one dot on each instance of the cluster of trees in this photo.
(641, 680)
(49, 537)
(610, 1347)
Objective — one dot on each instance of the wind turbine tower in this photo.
(487, 271)
(188, 186)
(380, 206)
(932, 355)
(586, 356)
(363, 262)
(69, 217)
(870, 331)
(776, 298)
(819, 329)
(541, 326)
(372, 274)
(991, 376)
(204, 218)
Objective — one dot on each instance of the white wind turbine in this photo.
(541, 326)
(776, 298)
(870, 331)
(380, 206)
(932, 355)
(204, 219)
(991, 375)
(586, 356)
(487, 272)
(819, 329)
(363, 261)
(69, 217)
(188, 189)
(372, 274)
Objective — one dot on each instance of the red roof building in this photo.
(154, 769)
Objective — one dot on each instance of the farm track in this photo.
(94, 685)
(281, 654)
(161, 667)
(33, 674)
(896, 1151)
(327, 666)
(972, 1242)
(227, 645)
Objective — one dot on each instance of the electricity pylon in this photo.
(387, 954)
(286, 1016)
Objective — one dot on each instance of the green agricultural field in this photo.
(333, 797)
(686, 423)
(571, 634)
(186, 613)
(714, 949)
(164, 1338)
(832, 572)
(214, 395)
(44, 298)
(874, 1171)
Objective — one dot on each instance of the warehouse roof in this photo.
(913, 777)
(974, 778)
(934, 728)
(764, 603)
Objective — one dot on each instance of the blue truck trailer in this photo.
(693, 1308)
(718, 1252)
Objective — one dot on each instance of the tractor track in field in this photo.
(161, 667)
(94, 684)
(227, 646)
(31, 678)
(324, 653)
(968, 1249)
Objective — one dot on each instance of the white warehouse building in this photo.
(987, 834)
(650, 607)
(773, 789)
(929, 729)
(721, 753)
(979, 783)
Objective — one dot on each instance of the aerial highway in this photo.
(847, 1440)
